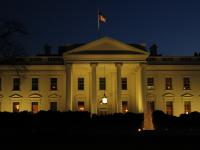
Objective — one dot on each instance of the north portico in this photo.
(105, 66)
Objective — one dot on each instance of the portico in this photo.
(107, 62)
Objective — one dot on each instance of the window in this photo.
(186, 83)
(16, 84)
(124, 83)
(81, 106)
(53, 106)
(102, 83)
(0, 84)
(168, 83)
(34, 84)
(124, 106)
(169, 107)
(187, 107)
(80, 83)
(16, 107)
(53, 83)
(150, 83)
(35, 107)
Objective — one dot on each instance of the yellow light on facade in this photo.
(186, 112)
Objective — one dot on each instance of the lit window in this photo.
(81, 106)
(16, 107)
(53, 83)
(34, 84)
(168, 83)
(186, 83)
(102, 83)
(124, 106)
(16, 84)
(35, 107)
(53, 106)
(187, 107)
(80, 83)
(150, 83)
(169, 107)
(124, 83)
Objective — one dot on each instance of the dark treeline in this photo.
(185, 122)
(69, 123)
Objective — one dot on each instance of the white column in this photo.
(118, 99)
(93, 90)
(68, 87)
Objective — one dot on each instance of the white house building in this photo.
(104, 76)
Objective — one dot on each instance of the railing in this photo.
(173, 60)
(41, 60)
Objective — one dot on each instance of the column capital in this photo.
(68, 65)
(93, 64)
(118, 64)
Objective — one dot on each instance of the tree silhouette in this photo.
(10, 49)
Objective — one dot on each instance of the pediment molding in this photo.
(54, 96)
(15, 96)
(106, 43)
(35, 95)
(168, 95)
(187, 95)
(150, 97)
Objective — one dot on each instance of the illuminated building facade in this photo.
(123, 74)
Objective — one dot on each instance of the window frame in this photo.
(52, 88)
(102, 83)
(16, 84)
(81, 84)
(35, 86)
(124, 83)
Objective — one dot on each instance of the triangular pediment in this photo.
(187, 95)
(107, 45)
(16, 96)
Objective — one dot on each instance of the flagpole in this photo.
(98, 32)
(98, 19)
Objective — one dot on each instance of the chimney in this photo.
(47, 50)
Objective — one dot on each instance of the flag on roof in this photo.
(102, 18)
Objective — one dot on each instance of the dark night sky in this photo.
(174, 25)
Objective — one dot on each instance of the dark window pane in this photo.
(80, 83)
(186, 83)
(102, 83)
(16, 84)
(124, 83)
(34, 84)
(168, 83)
(53, 83)
(150, 83)
(53, 106)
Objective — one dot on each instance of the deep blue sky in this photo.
(174, 25)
